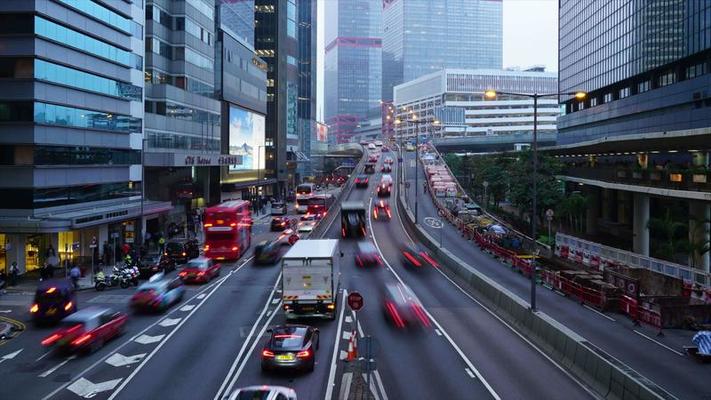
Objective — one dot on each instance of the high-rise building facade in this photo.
(72, 118)
(644, 64)
(237, 17)
(423, 36)
(276, 40)
(306, 101)
(182, 120)
(352, 64)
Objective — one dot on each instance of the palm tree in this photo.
(671, 233)
(698, 243)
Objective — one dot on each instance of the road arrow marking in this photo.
(169, 322)
(148, 339)
(87, 389)
(187, 307)
(56, 367)
(5, 311)
(10, 356)
(119, 360)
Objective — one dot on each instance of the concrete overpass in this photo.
(489, 143)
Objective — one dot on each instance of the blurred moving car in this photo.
(413, 257)
(200, 269)
(279, 224)
(388, 160)
(386, 168)
(367, 254)
(381, 209)
(263, 392)
(288, 236)
(369, 168)
(54, 300)
(290, 347)
(361, 181)
(86, 330)
(383, 190)
(387, 179)
(402, 307)
(306, 226)
(267, 252)
(159, 293)
(278, 208)
(385, 149)
(181, 250)
(154, 263)
(372, 158)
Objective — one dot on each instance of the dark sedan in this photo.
(361, 181)
(154, 263)
(415, 258)
(279, 223)
(267, 252)
(290, 347)
(367, 254)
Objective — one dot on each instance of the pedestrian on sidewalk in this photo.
(14, 271)
(75, 274)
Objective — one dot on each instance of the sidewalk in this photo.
(28, 282)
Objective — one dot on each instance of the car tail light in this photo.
(343, 232)
(68, 306)
(201, 273)
(51, 339)
(207, 225)
(184, 254)
(183, 273)
(388, 211)
(304, 354)
(397, 319)
(421, 315)
(34, 308)
(359, 261)
(235, 248)
(207, 247)
(375, 213)
(51, 290)
(429, 259)
(267, 354)
(412, 259)
(81, 339)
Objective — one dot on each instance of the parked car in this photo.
(86, 330)
(154, 263)
(182, 250)
(201, 269)
(278, 208)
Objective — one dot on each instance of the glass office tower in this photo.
(418, 38)
(644, 63)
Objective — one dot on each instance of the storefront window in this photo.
(3, 252)
(65, 244)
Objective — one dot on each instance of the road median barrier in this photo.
(605, 375)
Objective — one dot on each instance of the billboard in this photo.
(321, 132)
(246, 139)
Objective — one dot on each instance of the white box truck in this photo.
(310, 278)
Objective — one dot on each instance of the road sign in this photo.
(433, 222)
(549, 214)
(485, 184)
(355, 301)
(93, 243)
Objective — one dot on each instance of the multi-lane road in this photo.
(210, 343)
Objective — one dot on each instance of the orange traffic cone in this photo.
(352, 348)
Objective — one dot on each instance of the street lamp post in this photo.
(491, 94)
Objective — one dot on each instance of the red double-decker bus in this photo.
(228, 228)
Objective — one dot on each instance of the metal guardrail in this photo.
(634, 260)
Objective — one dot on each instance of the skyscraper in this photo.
(71, 117)
(423, 36)
(644, 64)
(352, 63)
(306, 101)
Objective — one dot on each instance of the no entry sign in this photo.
(355, 301)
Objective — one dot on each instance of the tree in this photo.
(573, 208)
(455, 163)
(698, 243)
(548, 189)
(671, 233)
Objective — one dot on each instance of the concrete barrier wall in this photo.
(608, 377)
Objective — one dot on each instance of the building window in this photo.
(643, 87)
(607, 98)
(52, 197)
(82, 80)
(695, 70)
(666, 79)
(101, 13)
(593, 101)
(52, 114)
(624, 92)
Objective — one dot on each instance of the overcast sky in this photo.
(530, 37)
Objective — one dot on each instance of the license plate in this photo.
(191, 276)
(308, 308)
(52, 311)
(285, 357)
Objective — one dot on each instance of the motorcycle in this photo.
(101, 281)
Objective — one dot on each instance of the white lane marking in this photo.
(234, 379)
(42, 356)
(332, 371)
(119, 360)
(438, 332)
(379, 380)
(599, 313)
(360, 330)
(346, 335)
(342, 356)
(87, 389)
(373, 388)
(166, 322)
(200, 296)
(101, 360)
(658, 342)
(345, 385)
(148, 339)
(14, 354)
(176, 329)
(275, 300)
(246, 341)
(470, 373)
(435, 322)
(269, 312)
(349, 319)
(187, 307)
(56, 367)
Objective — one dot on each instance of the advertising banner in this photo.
(246, 139)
